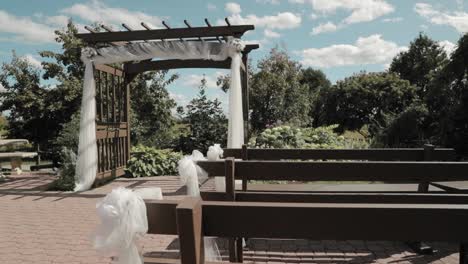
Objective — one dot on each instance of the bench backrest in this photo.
(387, 171)
(429, 152)
(192, 219)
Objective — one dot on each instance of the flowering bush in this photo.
(149, 161)
(309, 138)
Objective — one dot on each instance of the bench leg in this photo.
(232, 250)
(240, 250)
(418, 246)
(464, 253)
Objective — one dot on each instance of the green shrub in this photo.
(149, 161)
(66, 175)
(308, 138)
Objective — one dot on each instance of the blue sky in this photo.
(338, 36)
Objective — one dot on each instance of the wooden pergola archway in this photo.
(113, 90)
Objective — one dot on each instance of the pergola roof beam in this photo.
(147, 27)
(168, 27)
(143, 66)
(109, 29)
(94, 31)
(143, 24)
(128, 28)
(172, 33)
(209, 25)
(175, 64)
(189, 26)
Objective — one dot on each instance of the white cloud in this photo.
(211, 7)
(448, 46)
(232, 8)
(285, 20)
(58, 21)
(271, 34)
(32, 60)
(24, 29)
(361, 10)
(366, 50)
(96, 11)
(271, 2)
(194, 80)
(324, 27)
(179, 98)
(313, 16)
(458, 19)
(392, 19)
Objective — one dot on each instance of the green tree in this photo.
(364, 99)
(404, 129)
(3, 126)
(26, 100)
(418, 64)
(207, 123)
(316, 81)
(276, 92)
(151, 118)
(38, 112)
(447, 100)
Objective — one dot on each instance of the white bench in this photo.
(16, 157)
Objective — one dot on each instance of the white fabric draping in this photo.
(123, 221)
(86, 168)
(191, 174)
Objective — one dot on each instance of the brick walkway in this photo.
(54, 227)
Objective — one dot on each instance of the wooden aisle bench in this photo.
(427, 153)
(192, 219)
(385, 171)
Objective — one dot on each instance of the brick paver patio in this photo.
(54, 227)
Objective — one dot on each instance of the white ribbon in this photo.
(190, 174)
(123, 222)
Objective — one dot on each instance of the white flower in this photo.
(88, 53)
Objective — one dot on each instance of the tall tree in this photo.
(3, 125)
(418, 64)
(364, 99)
(151, 106)
(447, 100)
(316, 81)
(206, 121)
(276, 92)
(27, 101)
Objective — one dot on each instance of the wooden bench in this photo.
(192, 218)
(427, 153)
(384, 171)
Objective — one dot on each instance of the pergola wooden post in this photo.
(113, 90)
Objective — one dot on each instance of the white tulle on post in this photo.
(123, 221)
(190, 173)
(215, 152)
(236, 120)
(86, 164)
(86, 168)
